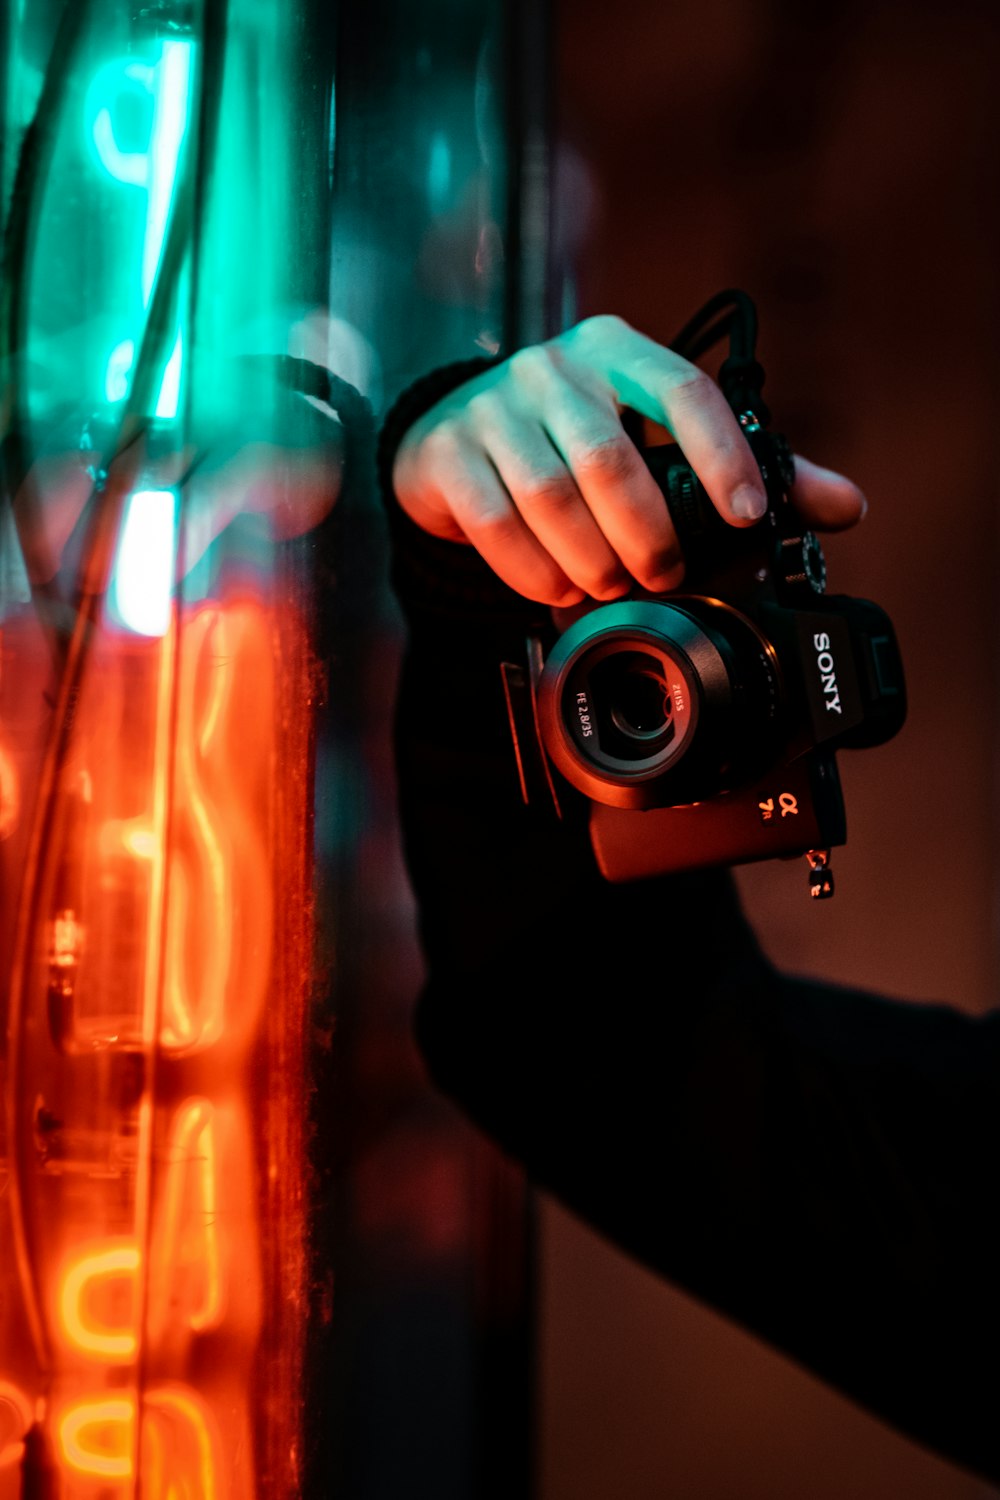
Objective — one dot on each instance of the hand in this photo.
(291, 488)
(529, 463)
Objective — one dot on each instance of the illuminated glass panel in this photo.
(179, 741)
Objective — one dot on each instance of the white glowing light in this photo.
(117, 372)
(131, 167)
(170, 387)
(143, 578)
(119, 369)
(170, 115)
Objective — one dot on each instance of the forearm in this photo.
(743, 1133)
(808, 1160)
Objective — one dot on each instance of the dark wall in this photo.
(840, 164)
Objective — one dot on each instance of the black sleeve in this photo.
(815, 1162)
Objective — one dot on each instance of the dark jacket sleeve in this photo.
(818, 1163)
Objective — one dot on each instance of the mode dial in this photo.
(801, 566)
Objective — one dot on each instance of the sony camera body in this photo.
(703, 725)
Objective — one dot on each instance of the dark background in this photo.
(840, 163)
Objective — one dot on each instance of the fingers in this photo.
(546, 499)
(530, 463)
(662, 386)
(827, 500)
(448, 485)
(537, 472)
(624, 502)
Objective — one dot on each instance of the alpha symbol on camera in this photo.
(787, 805)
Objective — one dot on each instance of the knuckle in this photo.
(549, 492)
(480, 408)
(661, 570)
(530, 367)
(735, 463)
(495, 526)
(689, 386)
(563, 597)
(599, 326)
(441, 447)
(612, 459)
(552, 585)
(608, 583)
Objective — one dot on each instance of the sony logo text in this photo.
(827, 672)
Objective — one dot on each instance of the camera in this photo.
(703, 726)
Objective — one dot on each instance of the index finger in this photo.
(668, 389)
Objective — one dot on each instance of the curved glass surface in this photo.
(231, 234)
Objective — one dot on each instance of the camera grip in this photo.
(788, 811)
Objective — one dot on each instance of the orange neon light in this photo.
(81, 1331)
(147, 1177)
(133, 835)
(180, 1443)
(185, 1020)
(216, 875)
(10, 794)
(191, 1173)
(96, 1437)
(187, 1248)
(220, 865)
(179, 1446)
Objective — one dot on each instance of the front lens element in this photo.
(639, 697)
(627, 706)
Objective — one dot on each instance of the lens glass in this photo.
(627, 706)
(639, 701)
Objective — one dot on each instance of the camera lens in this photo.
(634, 687)
(622, 696)
(629, 703)
(647, 704)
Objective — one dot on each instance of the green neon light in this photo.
(170, 114)
(152, 169)
(439, 172)
(131, 167)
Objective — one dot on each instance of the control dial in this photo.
(801, 566)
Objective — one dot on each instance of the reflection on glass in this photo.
(155, 629)
(230, 232)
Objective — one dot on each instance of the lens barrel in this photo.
(644, 704)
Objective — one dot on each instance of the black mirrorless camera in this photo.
(703, 725)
